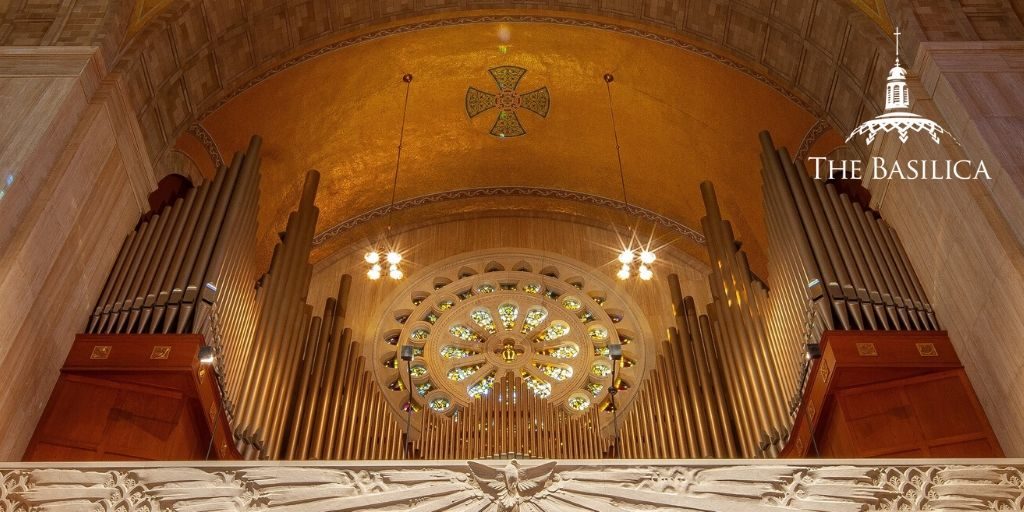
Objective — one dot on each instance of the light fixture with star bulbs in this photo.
(635, 257)
(375, 257)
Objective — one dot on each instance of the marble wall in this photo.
(75, 180)
(966, 238)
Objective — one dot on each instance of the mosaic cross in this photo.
(508, 101)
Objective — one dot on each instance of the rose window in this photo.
(470, 333)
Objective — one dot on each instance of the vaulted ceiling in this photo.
(320, 80)
(680, 118)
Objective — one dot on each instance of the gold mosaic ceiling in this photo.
(681, 118)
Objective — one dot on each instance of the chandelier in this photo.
(391, 257)
(639, 260)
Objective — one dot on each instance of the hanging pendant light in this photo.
(634, 256)
(391, 257)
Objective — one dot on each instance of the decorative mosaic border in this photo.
(198, 131)
(452, 195)
(518, 18)
(810, 138)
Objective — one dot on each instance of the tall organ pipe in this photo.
(832, 265)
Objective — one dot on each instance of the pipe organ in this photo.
(339, 412)
(292, 385)
(832, 267)
(731, 382)
(513, 363)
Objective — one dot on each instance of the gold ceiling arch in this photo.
(195, 59)
(682, 116)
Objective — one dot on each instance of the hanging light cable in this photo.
(642, 258)
(392, 257)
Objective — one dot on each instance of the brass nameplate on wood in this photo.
(927, 350)
(160, 352)
(100, 352)
(867, 350)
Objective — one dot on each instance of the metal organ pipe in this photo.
(831, 265)
(725, 382)
(189, 268)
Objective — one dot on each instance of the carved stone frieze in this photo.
(511, 486)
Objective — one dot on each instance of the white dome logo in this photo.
(897, 116)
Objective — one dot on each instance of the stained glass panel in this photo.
(440, 404)
(567, 351)
(481, 388)
(558, 373)
(534, 316)
(540, 388)
(601, 369)
(464, 333)
(452, 352)
(463, 372)
(508, 314)
(579, 403)
(483, 318)
(556, 330)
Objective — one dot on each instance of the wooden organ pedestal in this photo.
(140, 397)
(888, 394)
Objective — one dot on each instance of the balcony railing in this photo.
(737, 485)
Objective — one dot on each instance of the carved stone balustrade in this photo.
(834, 485)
